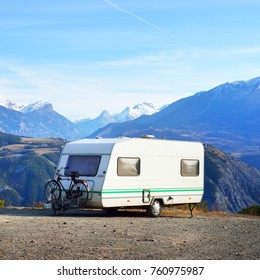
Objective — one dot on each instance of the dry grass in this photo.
(185, 212)
(28, 140)
(38, 145)
(13, 148)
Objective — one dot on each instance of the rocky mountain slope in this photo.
(25, 165)
(230, 184)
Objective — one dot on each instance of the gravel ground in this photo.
(35, 234)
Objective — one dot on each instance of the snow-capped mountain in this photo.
(135, 112)
(39, 119)
(11, 105)
(36, 120)
(227, 107)
(39, 105)
(88, 126)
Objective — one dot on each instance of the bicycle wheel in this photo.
(79, 194)
(52, 191)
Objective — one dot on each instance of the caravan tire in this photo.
(111, 211)
(155, 209)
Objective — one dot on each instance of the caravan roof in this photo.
(103, 146)
(134, 145)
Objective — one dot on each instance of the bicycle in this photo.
(77, 192)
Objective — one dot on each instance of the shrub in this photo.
(253, 210)
(2, 203)
(203, 206)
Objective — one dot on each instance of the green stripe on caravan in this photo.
(151, 190)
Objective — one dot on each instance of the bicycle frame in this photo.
(73, 180)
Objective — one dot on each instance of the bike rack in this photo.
(63, 204)
(68, 197)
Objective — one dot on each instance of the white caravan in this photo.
(137, 172)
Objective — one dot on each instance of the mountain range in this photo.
(227, 116)
(38, 119)
(89, 126)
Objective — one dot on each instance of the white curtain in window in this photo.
(84, 165)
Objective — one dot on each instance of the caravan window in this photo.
(189, 167)
(128, 166)
(84, 165)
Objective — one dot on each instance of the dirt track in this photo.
(37, 234)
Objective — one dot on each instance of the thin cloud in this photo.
(138, 18)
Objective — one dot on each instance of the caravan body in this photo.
(127, 172)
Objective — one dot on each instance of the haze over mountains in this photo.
(89, 126)
(227, 116)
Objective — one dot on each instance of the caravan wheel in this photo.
(155, 209)
(111, 211)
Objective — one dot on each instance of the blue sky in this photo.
(84, 56)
